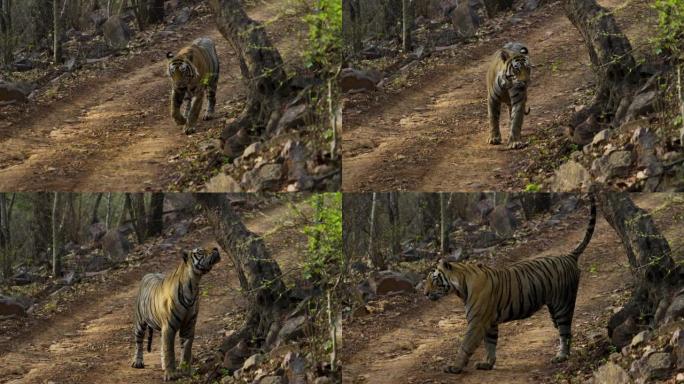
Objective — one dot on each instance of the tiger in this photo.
(508, 76)
(193, 70)
(170, 304)
(497, 295)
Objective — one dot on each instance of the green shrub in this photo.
(325, 35)
(670, 37)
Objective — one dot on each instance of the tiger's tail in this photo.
(590, 230)
(149, 339)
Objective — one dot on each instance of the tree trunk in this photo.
(258, 273)
(374, 253)
(444, 225)
(406, 24)
(393, 213)
(139, 217)
(156, 12)
(93, 218)
(351, 24)
(56, 257)
(57, 43)
(41, 224)
(261, 65)
(108, 219)
(155, 221)
(649, 256)
(610, 55)
(495, 6)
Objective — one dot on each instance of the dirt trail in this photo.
(93, 343)
(117, 135)
(432, 136)
(414, 346)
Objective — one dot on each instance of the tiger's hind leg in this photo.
(139, 332)
(211, 99)
(494, 112)
(177, 96)
(471, 340)
(562, 320)
(195, 107)
(490, 340)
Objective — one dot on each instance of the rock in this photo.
(170, 6)
(657, 366)
(70, 278)
(371, 53)
(584, 132)
(531, 5)
(184, 15)
(117, 34)
(210, 145)
(623, 333)
(616, 164)
(98, 18)
(71, 64)
(294, 116)
(680, 378)
(294, 153)
(385, 282)
(223, 183)
(271, 380)
(611, 373)
(356, 80)
(252, 149)
(292, 329)
(323, 380)
(268, 177)
(447, 6)
(23, 65)
(477, 212)
(96, 231)
(502, 221)
(642, 104)
(295, 368)
(570, 176)
(464, 21)
(97, 263)
(253, 361)
(11, 307)
(13, 92)
(676, 309)
(115, 245)
(601, 137)
(639, 339)
(480, 240)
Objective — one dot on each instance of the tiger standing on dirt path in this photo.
(497, 295)
(508, 77)
(193, 70)
(170, 304)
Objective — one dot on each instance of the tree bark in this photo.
(56, 257)
(108, 218)
(648, 253)
(258, 273)
(139, 217)
(406, 24)
(373, 250)
(155, 221)
(41, 224)
(610, 55)
(495, 6)
(393, 213)
(261, 65)
(444, 226)
(93, 218)
(57, 42)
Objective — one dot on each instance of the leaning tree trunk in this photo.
(261, 65)
(155, 220)
(259, 274)
(610, 55)
(649, 256)
(56, 41)
(443, 226)
(393, 213)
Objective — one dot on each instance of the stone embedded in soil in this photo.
(601, 137)
(639, 339)
(570, 176)
(658, 366)
(12, 92)
(115, 245)
(617, 164)
(642, 104)
(295, 368)
(117, 34)
(385, 282)
(676, 309)
(502, 221)
(11, 307)
(292, 328)
(253, 361)
(268, 177)
(611, 373)
(223, 183)
(356, 80)
(464, 21)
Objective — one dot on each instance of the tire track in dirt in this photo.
(432, 137)
(426, 339)
(117, 136)
(94, 343)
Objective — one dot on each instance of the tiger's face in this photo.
(436, 285)
(518, 68)
(200, 260)
(182, 72)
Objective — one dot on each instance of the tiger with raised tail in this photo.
(497, 295)
(170, 304)
(508, 77)
(194, 70)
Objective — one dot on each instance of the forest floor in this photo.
(112, 131)
(427, 129)
(91, 340)
(412, 339)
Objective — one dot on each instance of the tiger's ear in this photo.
(445, 264)
(169, 55)
(504, 55)
(185, 256)
(214, 251)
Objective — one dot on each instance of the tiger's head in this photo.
(181, 70)
(200, 260)
(517, 67)
(440, 281)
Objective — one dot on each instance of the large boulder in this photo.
(356, 80)
(385, 282)
(222, 183)
(267, 177)
(295, 368)
(502, 221)
(117, 34)
(96, 231)
(10, 306)
(478, 211)
(464, 20)
(570, 176)
(615, 164)
(13, 92)
(115, 245)
(611, 373)
(642, 104)
(292, 329)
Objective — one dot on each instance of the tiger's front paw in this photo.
(138, 364)
(189, 130)
(453, 369)
(483, 365)
(559, 358)
(516, 144)
(172, 375)
(494, 140)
